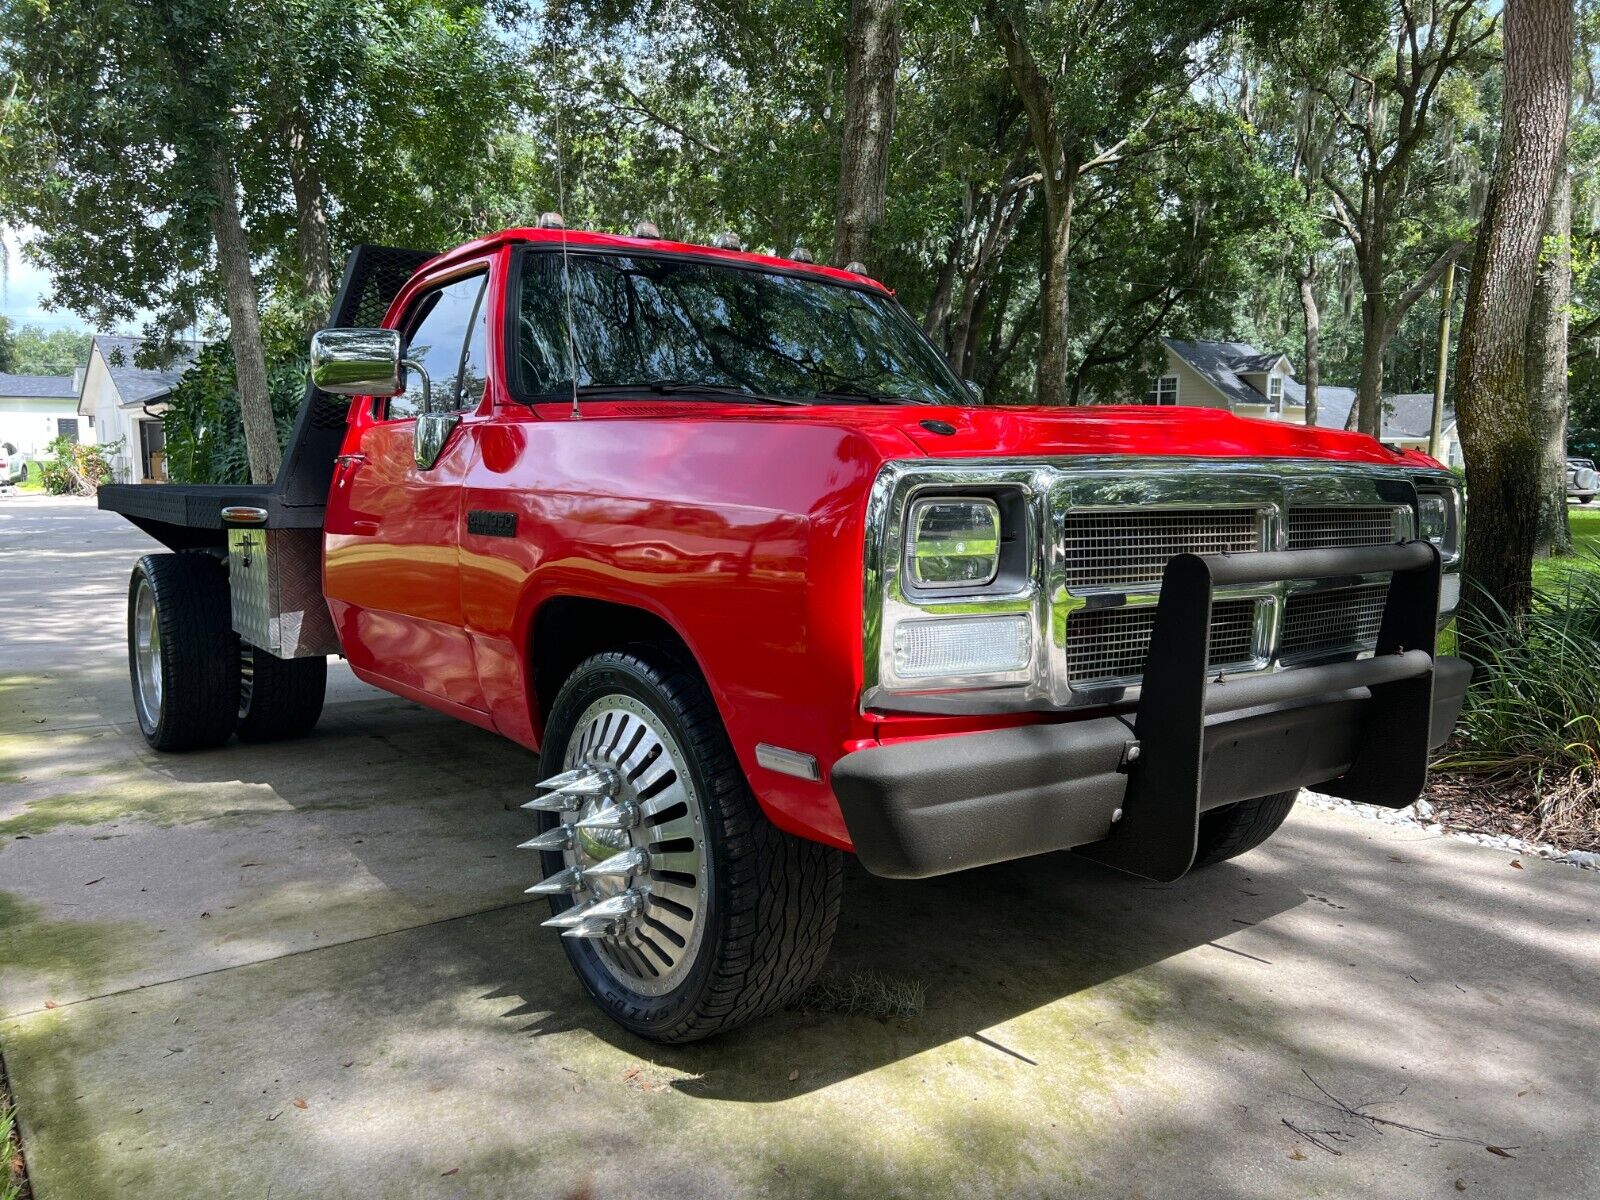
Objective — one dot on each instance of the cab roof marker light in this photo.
(646, 229)
(727, 240)
(800, 254)
(551, 220)
(856, 267)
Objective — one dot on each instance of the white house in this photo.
(37, 409)
(1252, 383)
(125, 402)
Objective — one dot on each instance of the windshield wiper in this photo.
(869, 397)
(673, 387)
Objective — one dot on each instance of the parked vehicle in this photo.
(13, 465)
(1583, 481)
(723, 540)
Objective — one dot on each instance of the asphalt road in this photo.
(307, 970)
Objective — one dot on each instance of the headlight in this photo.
(1433, 519)
(954, 542)
(1439, 520)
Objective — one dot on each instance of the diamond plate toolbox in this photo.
(275, 579)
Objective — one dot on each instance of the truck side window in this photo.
(437, 329)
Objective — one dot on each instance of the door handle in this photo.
(349, 460)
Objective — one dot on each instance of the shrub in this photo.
(203, 427)
(1533, 712)
(76, 468)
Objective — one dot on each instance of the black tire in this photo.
(279, 697)
(773, 900)
(1581, 499)
(196, 703)
(1229, 831)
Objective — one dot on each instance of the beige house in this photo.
(1252, 383)
(123, 402)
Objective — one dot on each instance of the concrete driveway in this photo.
(308, 971)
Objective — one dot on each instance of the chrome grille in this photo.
(1332, 621)
(1104, 644)
(1102, 549)
(1330, 528)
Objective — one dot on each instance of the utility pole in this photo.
(1442, 366)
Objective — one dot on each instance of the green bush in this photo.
(203, 427)
(76, 468)
(1533, 710)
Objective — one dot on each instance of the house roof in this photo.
(34, 387)
(1406, 416)
(1222, 364)
(140, 385)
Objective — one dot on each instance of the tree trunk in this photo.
(1059, 178)
(1367, 412)
(872, 59)
(1441, 368)
(312, 243)
(1546, 370)
(1312, 373)
(1497, 429)
(244, 325)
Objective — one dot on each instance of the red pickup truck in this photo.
(724, 541)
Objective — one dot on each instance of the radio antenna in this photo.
(566, 273)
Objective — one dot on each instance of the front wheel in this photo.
(1229, 831)
(684, 911)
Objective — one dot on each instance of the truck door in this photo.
(391, 566)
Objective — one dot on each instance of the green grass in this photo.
(10, 1153)
(1550, 573)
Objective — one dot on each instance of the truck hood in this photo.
(1134, 430)
(1006, 432)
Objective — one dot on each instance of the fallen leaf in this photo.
(1296, 1155)
(450, 1172)
(205, 914)
(351, 1063)
(50, 1004)
(1461, 1185)
(92, 882)
(633, 1074)
(793, 1075)
(1499, 1151)
(299, 1103)
(1523, 1093)
(1517, 863)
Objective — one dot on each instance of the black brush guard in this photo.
(1127, 789)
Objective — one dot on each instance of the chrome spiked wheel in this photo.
(631, 833)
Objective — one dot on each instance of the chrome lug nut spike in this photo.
(567, 918)
(566, 777)
(618, 816)
(621, 905)
(559, 838)
(556, 802)
(620, 866)
(587, 781)
(559, 884)
(589, 929)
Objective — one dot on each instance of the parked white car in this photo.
(13, 465)
(1583, 481)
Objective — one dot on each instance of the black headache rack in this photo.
(185, 516)
(1127, 789)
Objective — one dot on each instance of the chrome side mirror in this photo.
(358, 362)
(974, 389)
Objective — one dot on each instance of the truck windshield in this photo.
(675, 324)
